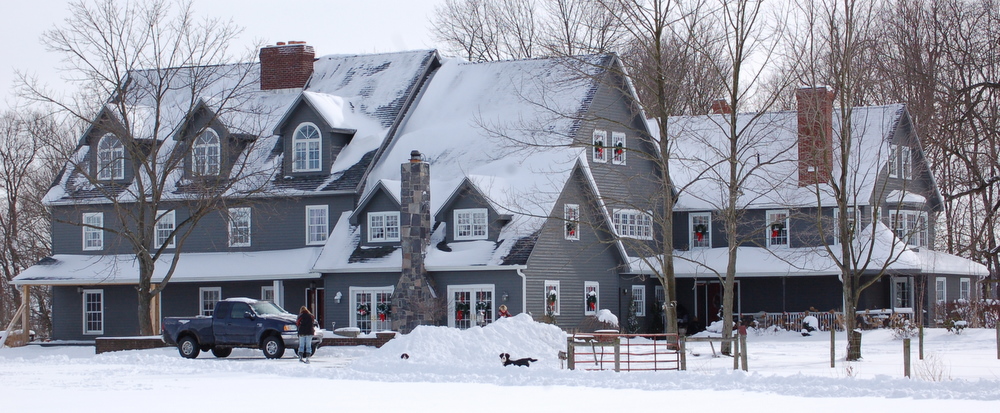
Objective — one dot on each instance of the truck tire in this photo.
(188, 347)
(222, 352)
(273, 346)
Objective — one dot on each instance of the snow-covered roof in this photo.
(71, 269)
(769, 143)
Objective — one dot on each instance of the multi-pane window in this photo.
(852, 223)
(630, 223)
(571, 219)
(317, 224)
(591, 297)
(383, 226)
(306, 154)
(239, 227)
(164, 227)
(110, 158)
(372, 308)
(618, 145)
(701, 230)
(777, 228)
(900, 162)
(551, 297)
(940, 289)
(208, 297)
(639, 300)
(910, 227)
(470, 224)
(267, 293)
(902, 292)
(93, 235)
(93, 311)
(600, 145)
(893, 161)
(470, 305)
(205, 154)
(964, 289)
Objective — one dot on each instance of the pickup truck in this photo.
(236, 322)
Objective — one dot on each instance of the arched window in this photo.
(306, 148)
(110, 158)
(205, 154)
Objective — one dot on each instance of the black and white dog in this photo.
(505, 359)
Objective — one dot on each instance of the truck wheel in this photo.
(273, 347)
(188, 347)
(222, 352)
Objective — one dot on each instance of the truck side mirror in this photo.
(248, 314)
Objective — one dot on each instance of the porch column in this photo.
(26, 315)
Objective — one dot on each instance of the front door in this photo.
(314, 301)
(470, 305)
(709, 299)
(372, 308)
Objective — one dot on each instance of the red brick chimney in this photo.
(815, 123)
(721, 107)
(284, 66)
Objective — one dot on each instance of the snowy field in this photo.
(453, 370)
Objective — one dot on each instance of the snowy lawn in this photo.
(453, 370)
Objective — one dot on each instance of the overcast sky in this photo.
(331, 26)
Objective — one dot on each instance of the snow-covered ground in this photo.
(453, 370)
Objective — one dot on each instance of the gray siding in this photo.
(120, 312)
(332, 142)
(467, 197)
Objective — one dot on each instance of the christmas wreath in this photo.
(483, 306)
(776, 229)
(571, 229)
(384, 311)
(364, 309)
(619, 149)
(591, 301)
(700, 230)
(460, 310)
(552, 297)
(599, 149)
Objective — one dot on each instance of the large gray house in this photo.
(405, 187)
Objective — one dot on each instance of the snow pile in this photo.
(476, 347)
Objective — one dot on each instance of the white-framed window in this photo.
(306, 153)
(165, 224)
(940, 289)
(661, 299)
(893, 160)
(93, 312)
(110, 158)
(910, 227)
(853, 217)
(777, 228)
(471, 224)
(591, 297)
(630, 223)
(639, 300)
(965, 289)
(571, 217)
(371, 308)
(905, 162)
(267, 293)
(93, 235)
(470, 305)
(618, 148)
(239, 227)
(701, 229)
(902, 291)
(600, 143)
(383, 226)
(205, 153)
(317, 224)
(207, 298)
(551, 297)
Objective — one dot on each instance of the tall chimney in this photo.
(815, 142)
(285, 66)
(414, 300)
(721, 107)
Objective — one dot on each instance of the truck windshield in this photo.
(267, 308)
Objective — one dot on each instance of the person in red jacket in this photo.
(305, 322)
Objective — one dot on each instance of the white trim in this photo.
(893, 163)
(599, 146)
(233, 228)
(571, 216)
(89, 230)
(164, 218)
(473, 226)
(386, 230)
(472, 289)
(323, 228)
(265, 290)
(308, 150)
(768, 231)
(110, 159)
(83, 299)
(201, 300)
(589, 286)
(207, 162)
(631, 223)
(853, 213)
(619, 148)
(692, 236)
(551, 284)
(941, 289)
(905, 162)
(639, 290)
(965, 289)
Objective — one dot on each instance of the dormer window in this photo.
(205, 154)
(470, 224)
(110, 158)
(306, 143)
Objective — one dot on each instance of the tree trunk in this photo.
(853, 345)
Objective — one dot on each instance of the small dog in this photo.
(505, 359)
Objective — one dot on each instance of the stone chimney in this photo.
(815, 143)
(414, 301)
(721, 107)
(285, 66)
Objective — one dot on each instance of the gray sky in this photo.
(331, 26)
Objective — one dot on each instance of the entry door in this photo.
(315, 303)
(708, 301)
(372, 309)
(470, 305)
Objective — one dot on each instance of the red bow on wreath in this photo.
(381, 317)
(458, 315)
(591, 306)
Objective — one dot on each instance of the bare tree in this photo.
(163, 69)
(488, 30)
